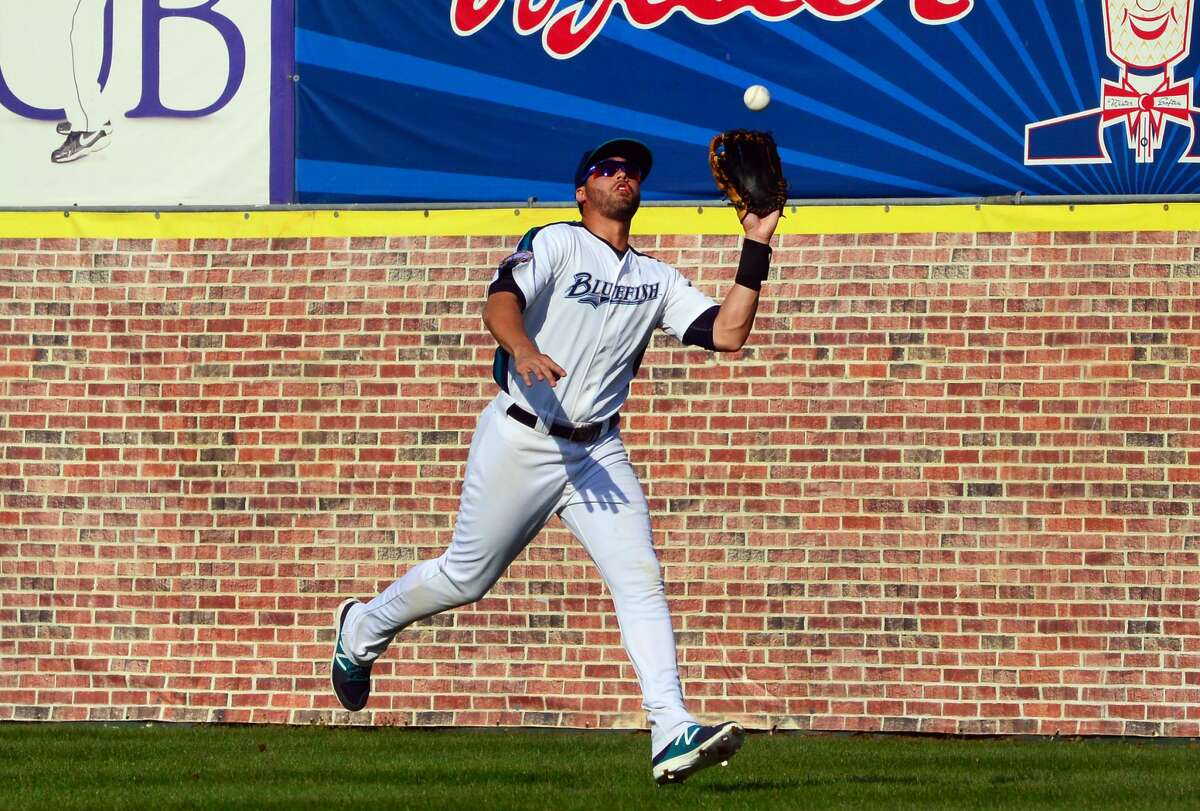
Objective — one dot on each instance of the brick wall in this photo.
(952, 485)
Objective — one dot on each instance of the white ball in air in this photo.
(756, 97)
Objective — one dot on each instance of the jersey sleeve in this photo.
(684, 304)
(528, 271)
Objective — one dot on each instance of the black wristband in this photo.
(754, 264)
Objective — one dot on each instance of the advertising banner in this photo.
(146, 102)
(494, 100)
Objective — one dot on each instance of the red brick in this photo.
(959, 498)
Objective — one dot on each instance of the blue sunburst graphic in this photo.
(394, 106)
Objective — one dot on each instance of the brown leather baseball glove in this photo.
(745, 164)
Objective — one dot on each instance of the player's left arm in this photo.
(735, 318)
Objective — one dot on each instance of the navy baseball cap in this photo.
(631, 150)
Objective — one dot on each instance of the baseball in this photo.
(757, 97)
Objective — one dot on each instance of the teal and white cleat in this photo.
(351, 682)
(697, 748)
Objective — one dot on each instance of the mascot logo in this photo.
(1146, 39)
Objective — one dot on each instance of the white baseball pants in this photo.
(516, 479)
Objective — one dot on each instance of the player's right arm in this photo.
(502, 317)
(520, 279)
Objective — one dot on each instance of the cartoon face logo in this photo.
(1148, 33)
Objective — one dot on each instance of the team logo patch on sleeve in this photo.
(512, 262)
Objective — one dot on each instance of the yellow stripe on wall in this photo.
(650, 220)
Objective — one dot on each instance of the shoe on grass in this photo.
(696, 748)
(351, 682)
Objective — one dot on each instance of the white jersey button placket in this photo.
(590, 392)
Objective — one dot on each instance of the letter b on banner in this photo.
(153, 14)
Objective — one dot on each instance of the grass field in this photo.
(67, 766)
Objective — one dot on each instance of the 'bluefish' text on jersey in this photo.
(597, 291)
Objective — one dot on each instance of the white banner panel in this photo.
(168, 101)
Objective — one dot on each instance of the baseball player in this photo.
(88, 127)
(573, 310)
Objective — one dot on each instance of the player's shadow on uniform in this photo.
(594, 487)
(596, 490)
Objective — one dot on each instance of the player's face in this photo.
(1148, 33)
(614, 189)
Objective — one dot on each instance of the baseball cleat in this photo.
(351, 682)
(696, 748)
(79, 144)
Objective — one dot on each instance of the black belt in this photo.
(576, 433)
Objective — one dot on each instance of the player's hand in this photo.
(534, 364)
(761, 229)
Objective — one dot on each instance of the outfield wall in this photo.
(951, 485)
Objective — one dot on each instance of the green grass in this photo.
(56, 767)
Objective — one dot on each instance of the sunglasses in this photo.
(610, 166)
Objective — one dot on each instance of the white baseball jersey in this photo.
(593, 311)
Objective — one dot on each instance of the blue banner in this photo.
(494, 100)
